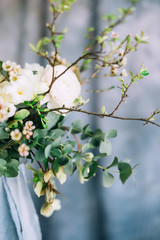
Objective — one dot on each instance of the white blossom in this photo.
(23, 150)
(16, 135)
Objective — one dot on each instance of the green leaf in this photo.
(21, 114)
(3, 134)
(67, 149)
(55, 166)
(52, 119)
(99, 156)
(86, 146)
(56, 143)
(144, 73)
(77, 126)
(56, 133)
(77, 157)
(92, 169)
(39, 133)
(125, 171)
(63, 160)
(12, 168)
(114, 163)
(87, 132)
(47, 150)
(85, 170)
(97, 138)
(55, 152)
(112, 133)
(68, 168)
(3, 166)
(108, 179)
(4, 154)
(106, 147)
(40, 156)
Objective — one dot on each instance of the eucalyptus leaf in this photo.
(106, 147)
(114, 163)
(40, 156)
(77, 126)
(12, 168)
(67, 149)
(3, 166)
(63, 160)
(108, 179)
(52, 119)
(125, 171)
(92, 169)
(47, 150)
(112, 133)
(3, 134)
(68, 168)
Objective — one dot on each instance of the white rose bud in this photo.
(61, 176)
(48, 209)
(48, 175)
(50, 196)
(89, 156)
(38, 188)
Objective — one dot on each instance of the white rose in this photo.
(64, 90)
(38, 70)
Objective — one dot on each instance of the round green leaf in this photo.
(108, 179)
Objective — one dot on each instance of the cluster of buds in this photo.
(28, 129)
(51, 204)
(13, 70)
(16, 135)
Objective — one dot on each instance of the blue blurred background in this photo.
(124, 212)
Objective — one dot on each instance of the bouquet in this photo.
(36, 100)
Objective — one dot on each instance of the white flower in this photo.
(23, 89)
(124, 73)
(11, 109)
(61, 176)
(23, 150)
(47, 75)
(3, 115)
(47, 209)
(8, 65)
(121, 52)
(6, 109)
(13, 76)
(34, 67)
(16, 135)
(29, 126)
(17, 69)
(64, 90)
(114, 35)
(37, 70)
(124, 61)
